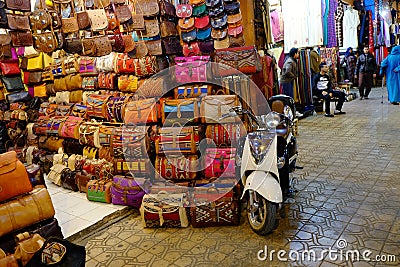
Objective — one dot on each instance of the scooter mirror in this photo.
(272, 120)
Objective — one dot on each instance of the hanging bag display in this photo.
(191, 69)
(141, 111)
(130, 142)
(177, 140)
(213, 107)
(97, 106)
(219, 162)
(69, 24)
(23, 5)
(182, 111)
(98, 18)
(149, 8)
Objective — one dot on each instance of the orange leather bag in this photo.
(24, 211)
(14, 179)
(141, 111)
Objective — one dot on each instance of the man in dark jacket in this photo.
(289, 73)
(322, 88)
(365, 69)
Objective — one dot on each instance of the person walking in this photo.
(390, 67)
(365, 71)
(322, 88)
(351, 62)
(289, 73)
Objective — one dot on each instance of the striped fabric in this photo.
(339, 23)
(332, 41)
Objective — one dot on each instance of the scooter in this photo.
(264, 158)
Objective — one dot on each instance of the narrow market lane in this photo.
(348, 200)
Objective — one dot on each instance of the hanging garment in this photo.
(339, 23)
(277, 25)
(351, 21)
(388, 66)
(332, 41)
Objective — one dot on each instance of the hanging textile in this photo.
(330, 56)
(277, 25)
(351, 20)
(303, 89)
(267, 79)
(339, 23)
(332, 40)
(302, 23)
(371, 34)
(325, 14)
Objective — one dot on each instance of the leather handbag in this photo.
(182, 111)
(83, 19)
(18, 22)
(141, 111)
(200, 10)
(70, 24)
(177, 140)
(152, 28)
(45, 42)
(149, 8)
(186, 24)
(130, 142)
(132, 166)
(191, 69)
(191, 49)
(89, 47)
(97, 106)
(40, 125)
(70, 64)
(219, 162)
(115, 106)
(13, 84)
(222, 43)
(203, 34)
(151, 87)
(103, 46)
(235, 31)
(14, 179)
(201, 23)
(87, 66)
(184, 11)
(76, 96)
(81, 181)
(79, 110)
(124, 64)
(105, 134)
(232, 8)
(70, 128)
(106, 63)
(220, 21)
(245, 59)
(21, 38)
(167, 9)
(68, 180)
(73, 82)
(127, 83)
(99, 191)
(145, 66)
(56, 172)
(137, 22)
(89, 134)
(168, 28)
(118, 41)
(213, 107)
(106, 80)
(3, 17)
(189, 36)
(236, 41)
(73, 45)
(10, 67)
(191, 91)
(54, 123)
(212, 208)
(40, 90)
(19, 97)
(34, 77)
(235, 20)
(5, 43)
(89, 83)
(172, 45)
(27, 246)
(129, 44)
(128, 191)
(216, 11)
(124, 15)
(24, 5)
(225, 134)
(154, 47)
(206, 47)
(164, 210)
(25, 211)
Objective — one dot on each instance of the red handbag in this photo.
(184, 11)
(219, 162)
(124, 64)
(191, 49)
(107, 80)
(70, 128)
(145, 66)
(10, 67)
(225, 134)
(176, 167)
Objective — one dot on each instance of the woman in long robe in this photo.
(390, 66)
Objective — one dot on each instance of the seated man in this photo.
(322, 88)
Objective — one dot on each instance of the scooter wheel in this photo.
(262, 217)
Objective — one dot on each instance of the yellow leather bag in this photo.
(40, 90)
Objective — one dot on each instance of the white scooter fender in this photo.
(264, 184)
(261, 179)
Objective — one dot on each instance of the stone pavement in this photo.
(348, 200)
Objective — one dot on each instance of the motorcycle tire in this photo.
(263, 220)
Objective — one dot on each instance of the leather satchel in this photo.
(152, 28)
(13, 84)
(141, 111)
(97, 106)
(129, 44)
(177, 140)
(21, 38)
(68, 180)
(103, 46)
(83, 20)
(124, 64)
(127, 83)
(27, 246)
(45, 42)
(70, 128)
(222, 43)
(24, 5)
(76, 96)
(98, 19)
(168, 28)
(164, 210)
(123, 13)
(219, 33)
(154, 47)
(70, 25)
(191, 49)
(184, 11)
(5, 45)
(137, 22)
(73, 45)
(88, 47)
(14, 179)
(167, 9)
(176, 167)
(245, 59)
(186, 24)
(10, 67)
(81, 181)
(99, 191)
(89, 134)
(127, 191)
(172, 45)
(149, 8)
(219, 162)
(40, 19)
(25, 211)
(213, 107)
(191, 69)
(182, 111)
(18, 22)
(188, 37)
(206, 47)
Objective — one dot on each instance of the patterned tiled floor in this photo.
(348, 202)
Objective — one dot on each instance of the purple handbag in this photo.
(128, 191)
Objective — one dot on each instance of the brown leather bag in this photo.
(45, 42)
(5, 45)
(123, 13)
(89, 47)
(70, 25)
(24, 211)
(168, 28)
(152, 28)
(23, 5)
(103, 46)
(154, 47)
(18, 22)
(8, 261)
(76, 96)
(129, 44)
(20, 38)
(148, 8)
(137, 22)
(14, 179)
(186, 24)
(27, 246)
(83, 20)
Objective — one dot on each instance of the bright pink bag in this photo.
(219, 162)
(191, 69)
(70, 128)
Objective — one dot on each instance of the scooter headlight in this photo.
(260, 143)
